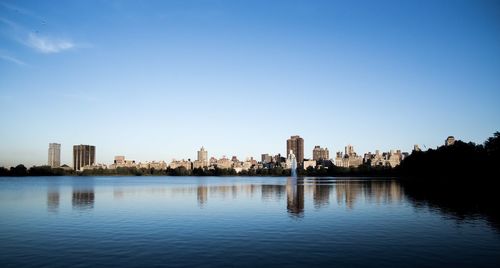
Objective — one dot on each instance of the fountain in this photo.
(293, 164)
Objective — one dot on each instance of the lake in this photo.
(236, 221)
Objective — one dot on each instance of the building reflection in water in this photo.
(53, 197)
(273, 192)
(321, 193)
(83, 197)
(347, 192)
(202, 195)
(295, 197)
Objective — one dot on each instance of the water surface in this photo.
(233, 221)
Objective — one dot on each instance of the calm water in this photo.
(243, 222)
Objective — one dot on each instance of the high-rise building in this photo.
(83, 155)
(320, 153)
(203, 157)
(54, 155)
(296, 144)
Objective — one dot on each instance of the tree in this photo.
(492, 145)
(19, 170)
(4, 172)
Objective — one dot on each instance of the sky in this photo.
(156, 80)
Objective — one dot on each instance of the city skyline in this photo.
(85, 156)
(156, 80)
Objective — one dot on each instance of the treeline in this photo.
(333, 171)
(458, 161)
(21, 170)
(182, 171)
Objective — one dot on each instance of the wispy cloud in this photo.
(18, 10)
(43, 43)
(49, 45)
(12, 59)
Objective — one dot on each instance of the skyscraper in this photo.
(54, 155)
(296, 144)
(203, 157)
(83, 155)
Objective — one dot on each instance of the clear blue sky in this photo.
(155, 80)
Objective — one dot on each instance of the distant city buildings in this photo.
(320, 153)
(224, 163)
(202, 160)
(181, 163)
(83, 155)
(157, 165)
(349, 158)
(389, 159)
(54, 155)
(296, 144)
(449, 141)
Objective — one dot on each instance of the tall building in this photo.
(83, 155)
(203, 157)
(54, 155)
(320, 153)
(296, 144)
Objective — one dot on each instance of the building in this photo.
(320, 153)
(54, 155)
(309, 163)
(83, 155)
(224, 163)
(156, 165)
(349, 158)
(182, 163)
(388, 159)
(93, 166)
(449, 141)
(266, 158)
(120, 161)
(202, 157)
(296, 144)
(278, 159)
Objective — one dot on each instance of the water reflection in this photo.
(53, 197)
(83, 197)
(295, 197)
(284, 222)
(461, 202)
(302, 194)
(321, 193)
(272, 192)
(202, 195)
